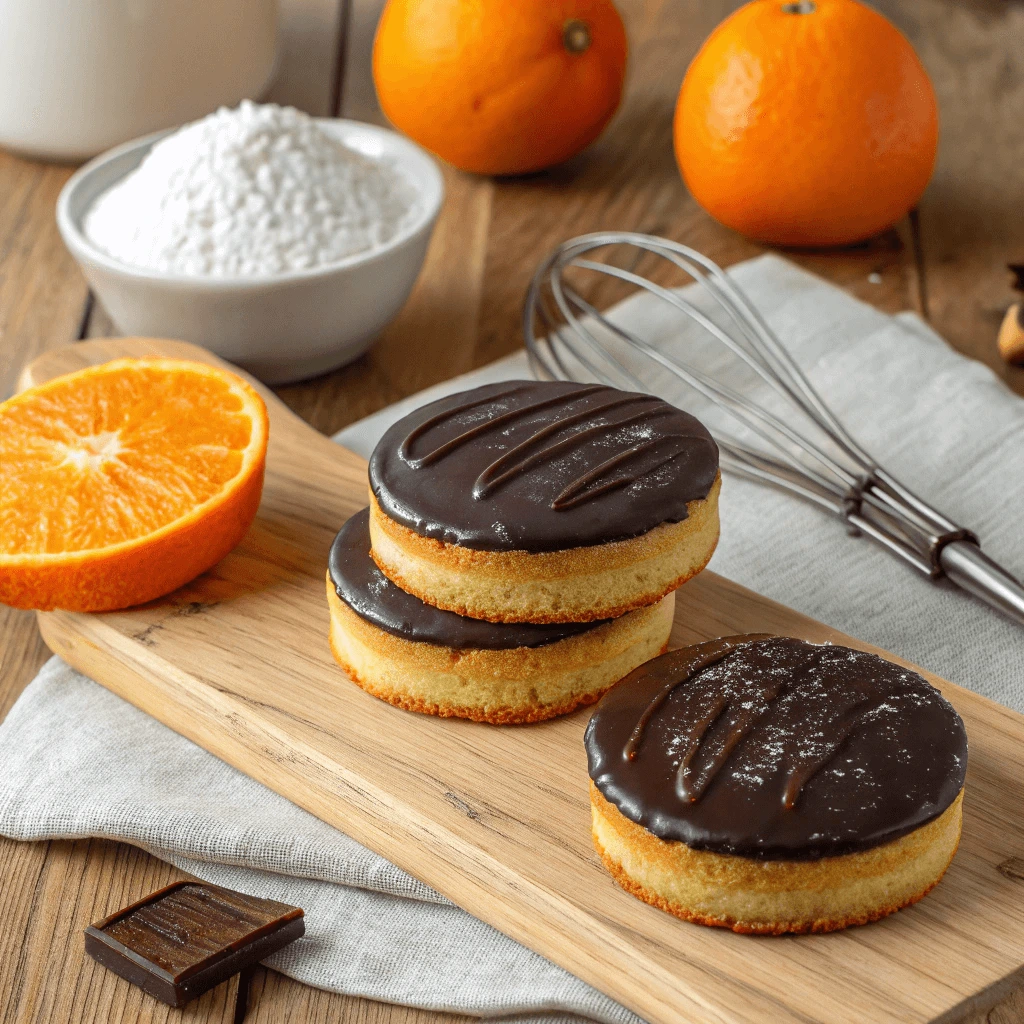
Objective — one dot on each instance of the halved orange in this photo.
(121, 482)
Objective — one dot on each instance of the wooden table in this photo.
(946, 263)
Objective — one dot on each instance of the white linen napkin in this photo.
(943, 424)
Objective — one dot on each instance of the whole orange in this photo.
(806, 124)
(499, 87)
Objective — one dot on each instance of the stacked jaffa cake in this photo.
(521, 548)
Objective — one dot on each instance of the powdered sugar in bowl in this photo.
(283, 243)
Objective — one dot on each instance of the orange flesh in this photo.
(100, 458)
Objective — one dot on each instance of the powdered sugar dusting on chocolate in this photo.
(555, 464)
(773, 747)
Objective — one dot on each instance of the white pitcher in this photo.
(80, 76)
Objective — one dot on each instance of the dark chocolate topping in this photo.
(542, 466)
(373, 597)
(775, 748)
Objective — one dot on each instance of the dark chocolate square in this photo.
(186, 938)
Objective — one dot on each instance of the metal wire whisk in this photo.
(567, 338)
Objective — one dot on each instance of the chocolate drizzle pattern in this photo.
(542, 466)
(373, 597)
(775, 748)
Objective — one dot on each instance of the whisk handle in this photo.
(970, 568)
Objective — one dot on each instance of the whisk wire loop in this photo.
(737, 405)
(568, 338)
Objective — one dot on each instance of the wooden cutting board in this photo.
(497, 818)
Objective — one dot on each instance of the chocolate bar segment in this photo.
(188, 937)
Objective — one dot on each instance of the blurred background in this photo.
(947, 261)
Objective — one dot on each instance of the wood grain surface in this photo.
(463, 313)
(497, 819)
(50, 891)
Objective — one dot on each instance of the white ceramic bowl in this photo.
(282, 327)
